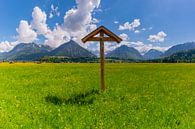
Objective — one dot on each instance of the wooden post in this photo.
(111, 37)
(102, 82)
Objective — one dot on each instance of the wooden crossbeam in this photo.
(109, 39)
(105, 31)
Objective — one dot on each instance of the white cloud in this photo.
(144, 29)
(124, 36)
(137, 31)
(54, 11)
(50, 15)
(6, 46)
(57, 37)
(142, 47)
(26, 33)
(160, 37)
(78, 21)
(150, 28)
(130, 26)
(116, 22)
(39, 21)
(94, 20)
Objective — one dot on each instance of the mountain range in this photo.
(178, 48)
(71, 50)
(33, 52)
(125, 52)
(152, 54)
(26, 52)
(182, 56)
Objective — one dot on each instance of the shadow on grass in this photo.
(86, 98)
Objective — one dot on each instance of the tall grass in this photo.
(60, 96)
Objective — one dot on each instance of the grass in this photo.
(63, 96)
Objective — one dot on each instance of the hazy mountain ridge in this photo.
(125, 52)
(152, 54)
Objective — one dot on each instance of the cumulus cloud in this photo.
(25, 32)
(130, 26)
(39, 21)
(6, 46)
(160, 37)
(57, 37)
(78, 21)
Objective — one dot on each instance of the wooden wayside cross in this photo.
(102, 34)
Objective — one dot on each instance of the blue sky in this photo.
(175, 18)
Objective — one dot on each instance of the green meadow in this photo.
(67, 96)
